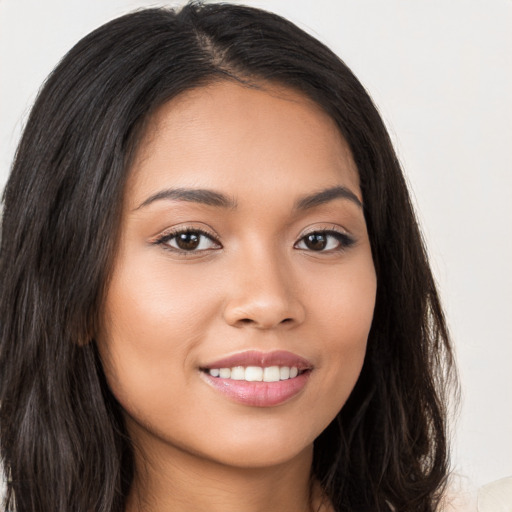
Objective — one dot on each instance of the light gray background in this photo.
(441, 73)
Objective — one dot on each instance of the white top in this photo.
(496, 496)
(493, 497)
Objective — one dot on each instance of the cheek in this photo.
(343, 309)
(147, 304)
(153, 323)
(343, 302)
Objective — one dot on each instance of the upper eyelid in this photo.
(331, 232)
(171, 235)
(325, 229)
(172, 232)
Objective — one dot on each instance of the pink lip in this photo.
(263, 359)
(260, 394)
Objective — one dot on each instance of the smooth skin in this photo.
(254, 266)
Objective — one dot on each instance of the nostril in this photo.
(250, 321)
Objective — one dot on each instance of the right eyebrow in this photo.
(194, 195)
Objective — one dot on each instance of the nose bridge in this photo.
(263, 291)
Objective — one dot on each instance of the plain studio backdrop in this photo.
(440, 72)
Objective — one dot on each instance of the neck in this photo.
(175, 481)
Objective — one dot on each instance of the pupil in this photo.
(316, 241)
(187, 241)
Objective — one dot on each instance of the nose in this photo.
(263, 294)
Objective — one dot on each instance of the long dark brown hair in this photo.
(63, 441)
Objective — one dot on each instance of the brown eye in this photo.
(315, 241)
(189, 241)
(325, 241)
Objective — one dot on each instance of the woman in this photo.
(214, 292)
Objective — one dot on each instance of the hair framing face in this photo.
(63, 441)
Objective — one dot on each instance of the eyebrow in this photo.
(326, 195)
(194, 195)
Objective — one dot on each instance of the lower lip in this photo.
(259, 394)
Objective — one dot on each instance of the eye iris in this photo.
(316, 241)
(187, 241)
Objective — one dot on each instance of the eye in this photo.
(188, 240)
(324, 241)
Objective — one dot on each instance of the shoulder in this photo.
(496, 496)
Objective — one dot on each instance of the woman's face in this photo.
(243, 287)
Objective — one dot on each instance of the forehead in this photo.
(230, 136)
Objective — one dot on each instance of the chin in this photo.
(261, 444)
(268, 455)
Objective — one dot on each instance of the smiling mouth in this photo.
(256, 373)
(259, 379)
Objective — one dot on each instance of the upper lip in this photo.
(262, 359)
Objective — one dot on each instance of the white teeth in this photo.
(255, 373)
(271, 374)
(238, 373)
(225, 373)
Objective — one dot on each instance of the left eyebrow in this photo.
(325, 196)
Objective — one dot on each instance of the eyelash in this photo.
(167, 237)
(345, 241)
